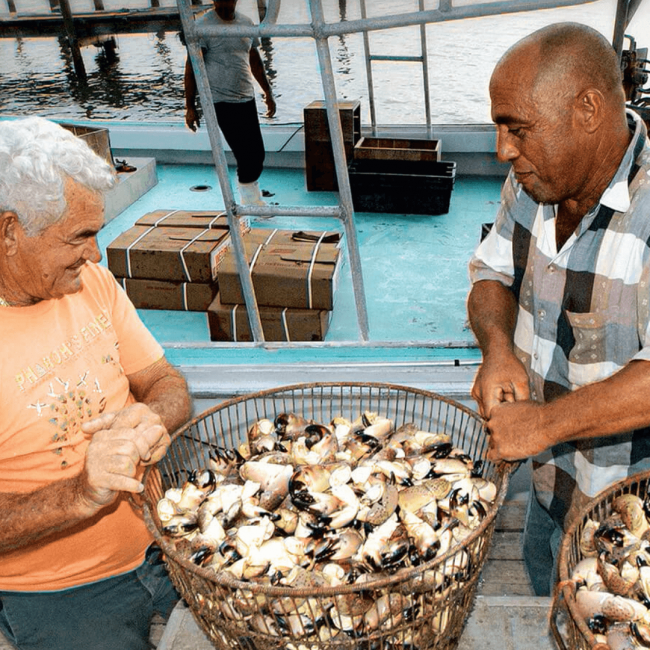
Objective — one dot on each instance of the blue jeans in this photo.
(542, 538)
(109, 614)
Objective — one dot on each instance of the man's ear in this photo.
(590, 109)
(9, 232)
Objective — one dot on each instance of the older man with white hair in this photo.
(87, 400)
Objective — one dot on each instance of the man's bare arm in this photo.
(121, 443)
(492, 311)
(164, 390)
(257, 68)
(111, 467)
(605, 408)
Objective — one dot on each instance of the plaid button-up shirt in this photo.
(583, 314)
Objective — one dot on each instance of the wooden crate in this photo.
(319, 158)
(397, 149)
(402, 186)
(96, 138)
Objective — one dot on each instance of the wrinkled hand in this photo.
(515, 431)
(270, 105)
(502, 380)
(121, 443)
(192, 119)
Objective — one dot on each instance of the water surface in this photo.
(145, 82)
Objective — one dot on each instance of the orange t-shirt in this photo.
(64, 362)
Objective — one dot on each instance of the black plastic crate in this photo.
(402, 186)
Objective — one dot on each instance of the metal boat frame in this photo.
(321, 30)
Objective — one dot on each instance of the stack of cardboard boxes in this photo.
(182, 260)
(294, 275)
(169, 259)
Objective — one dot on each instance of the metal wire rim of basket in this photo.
(241, 412)
(598, 509)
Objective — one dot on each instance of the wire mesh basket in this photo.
(570, 628)
(246, 615)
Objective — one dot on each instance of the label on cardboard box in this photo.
(287, 271)
(161, 294)
(161, 253)
(230, 323)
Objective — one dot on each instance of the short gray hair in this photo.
(36, 158)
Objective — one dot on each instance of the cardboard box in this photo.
(190, 219)
(402, 186)
(289, 269)
(161, 253)
(230, 323)
(397, 149)
(159, 294)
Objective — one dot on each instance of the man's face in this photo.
(49, 264)
(536, 133)
(225, 9)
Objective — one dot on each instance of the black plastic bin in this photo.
(402, 186)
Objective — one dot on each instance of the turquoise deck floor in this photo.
(414, 268)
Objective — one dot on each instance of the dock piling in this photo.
(68, 22)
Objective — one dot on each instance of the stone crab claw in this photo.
(311, 478)
(269, 475)
(180, 525)
(204, 479)
(425, 539)
(290, 426)
(225, 461)
(585, 573)
(378, 502)
(613, 537)
(631, 509)
(263, 427)
(615, 608)
(613, 579)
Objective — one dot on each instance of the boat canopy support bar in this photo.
(234, 211)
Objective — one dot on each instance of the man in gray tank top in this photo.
(232, 62)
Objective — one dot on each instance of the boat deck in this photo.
(416, 283)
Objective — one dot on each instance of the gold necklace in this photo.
(4, 303)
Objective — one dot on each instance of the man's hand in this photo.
(141, 425)
(121, 442)
(502, 379)
(516, 431)
(270, 105)
(192, 119)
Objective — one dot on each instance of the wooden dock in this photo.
(93, 24)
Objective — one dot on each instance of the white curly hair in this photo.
(37, 156)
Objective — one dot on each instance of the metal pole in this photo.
(221, 167)
(620, 25)
(340, 163)
(371, 88)
(425, 71)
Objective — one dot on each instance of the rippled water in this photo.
(145, 83)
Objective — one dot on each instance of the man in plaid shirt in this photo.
(560, 286)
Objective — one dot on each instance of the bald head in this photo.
(562, 61)
(558, 103)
